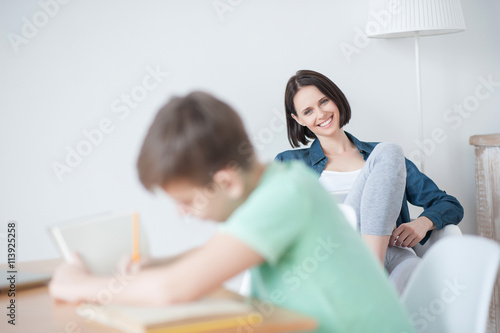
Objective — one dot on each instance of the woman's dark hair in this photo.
(300, 134)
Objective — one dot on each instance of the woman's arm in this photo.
(440, 209)
(196, 274)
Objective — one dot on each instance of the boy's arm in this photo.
(189, 278)
(158, 261)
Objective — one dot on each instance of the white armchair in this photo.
(450, 290)
(449, 230)
(350, 215)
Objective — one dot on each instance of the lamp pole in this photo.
(419, 105)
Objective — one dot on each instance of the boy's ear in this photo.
(230, 180)
(297, 120)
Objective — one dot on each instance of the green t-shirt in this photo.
(315, 262)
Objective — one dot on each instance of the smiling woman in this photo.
(326, 111)
(316, 109)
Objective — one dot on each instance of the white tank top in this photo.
(338, 183)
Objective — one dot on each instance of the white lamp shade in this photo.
(402, 18)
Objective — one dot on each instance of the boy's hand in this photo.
(410, 233)
(68, 279)
(127, 266)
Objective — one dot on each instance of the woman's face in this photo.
(316, 111)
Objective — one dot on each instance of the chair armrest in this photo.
(447, 231)
(349, 214)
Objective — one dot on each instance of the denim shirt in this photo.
(439, 207)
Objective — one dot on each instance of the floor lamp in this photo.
(414, 18)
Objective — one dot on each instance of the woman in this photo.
(375, 179)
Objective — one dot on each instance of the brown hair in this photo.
(301, 134)
(191, 138)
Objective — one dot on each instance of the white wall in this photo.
(69, 76)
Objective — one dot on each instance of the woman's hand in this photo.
(410, 233)
(67, 280)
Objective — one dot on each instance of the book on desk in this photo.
(207, 314)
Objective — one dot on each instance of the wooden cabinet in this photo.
(487, 154)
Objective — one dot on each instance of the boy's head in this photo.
(193, 144)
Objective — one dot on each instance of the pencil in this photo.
(135, 238)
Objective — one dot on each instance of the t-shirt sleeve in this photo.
(270, 220)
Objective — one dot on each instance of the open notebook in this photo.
(207, 314)
(100, 241)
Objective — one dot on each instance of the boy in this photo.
(279, 221)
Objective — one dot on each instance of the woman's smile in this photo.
(326, 123)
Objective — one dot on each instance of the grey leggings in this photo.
(377, 196)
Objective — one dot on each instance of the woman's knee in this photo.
(389, 151)
(389, 148)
